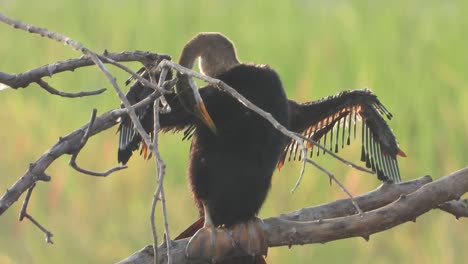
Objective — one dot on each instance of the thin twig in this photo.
(161, 166)
(167, 237)
(54, 91)
(131, 112)
(153, 225)
(301, 173)
(83, 141)
(161, 170)
(144, 81)
(346, 162)
(24, 214)
(332, 177)
(158, 160)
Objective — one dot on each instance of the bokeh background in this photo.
(412, 54)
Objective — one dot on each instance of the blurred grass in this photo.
(411, 54)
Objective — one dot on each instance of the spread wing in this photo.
(332, 121)
(177, 119)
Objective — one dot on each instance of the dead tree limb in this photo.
(459, 208)
(384, 208)
(36, 75)
(22, 80)
(96, 59)
(65, 145)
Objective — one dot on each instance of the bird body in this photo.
(230, 171)
(235, 151)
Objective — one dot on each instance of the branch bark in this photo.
(384, 208)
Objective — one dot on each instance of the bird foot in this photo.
(211, 244)
(251, 237)
(215, 244)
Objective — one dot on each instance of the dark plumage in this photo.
(231, 171)
(235, 151)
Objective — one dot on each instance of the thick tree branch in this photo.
(406, 208)
(384, 208)
(380, 197)
(459, 208)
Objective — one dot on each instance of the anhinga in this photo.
(234, 151)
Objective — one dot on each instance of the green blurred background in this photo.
(412, 54)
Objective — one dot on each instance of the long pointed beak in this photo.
(401, 153)
(205, 117)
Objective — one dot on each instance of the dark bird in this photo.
(234, 151)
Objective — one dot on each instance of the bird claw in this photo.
(216, 244)
(210, 244)
(251, 237)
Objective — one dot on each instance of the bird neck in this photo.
(216, 52)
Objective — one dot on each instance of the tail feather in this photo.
(191, 230)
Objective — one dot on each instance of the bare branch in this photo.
(54, 91)
(161, 171)
(458, 208)
(65, 145)
(406, 208)
(22, 80)
(24, 213)
(35, 75)
(83, 141)
(330, 222)
(333, 178)
(150, 66)
(161, 165)
(94, 58)
(380, 197)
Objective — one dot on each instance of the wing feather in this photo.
(331, 121)
(176, 120)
